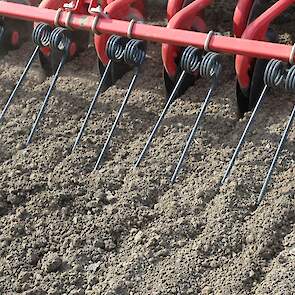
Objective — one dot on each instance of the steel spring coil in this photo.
(210, 65)
(60, 39)
(290, 79)
(41, 35)
(135, 52)
(191, 59)
(274, 73)
(116, 47)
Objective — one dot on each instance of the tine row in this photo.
(133, 53)
(58, 39)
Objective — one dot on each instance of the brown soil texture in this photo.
(66, 230)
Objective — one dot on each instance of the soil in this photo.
(120, 230)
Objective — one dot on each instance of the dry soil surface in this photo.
(66, 230)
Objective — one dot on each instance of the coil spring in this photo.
(115, 47)
(60, 39)
(135, 52)
(191, 59)
(41, 35)
(274, 73)
(210, 65)
(290, 79)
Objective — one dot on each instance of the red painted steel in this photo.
(120, 10)
(187, 18)
(222, 44)
(257, 31)
(241, 16)
(173, 7)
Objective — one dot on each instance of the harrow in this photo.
(189, 52)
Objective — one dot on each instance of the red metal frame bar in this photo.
(241, 16)
(257, 31)
(120, 10)
(222, 44)
(186, 18)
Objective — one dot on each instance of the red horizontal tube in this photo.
(159, 34)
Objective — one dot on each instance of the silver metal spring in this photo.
(191, 59)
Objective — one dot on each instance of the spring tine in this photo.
(130, 88)
(273, 77)
(96, 95)
(21, 79)
(190, 62)
(45, 101)
(242, 139)
(134, 55)
(210, 68)
(115, 51)
(193, 132)
(276, 156)
(165, 110)
(41, 37)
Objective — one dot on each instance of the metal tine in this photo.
(59, 40)
(273, 77)
(210, 68)
(41, 37)
(134, 55)
(289, 85)
(115, 50)
(190, 62)
(2, 29)
(276, 156)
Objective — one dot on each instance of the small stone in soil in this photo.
(109, 245)
(32, 257)
(51, 262)
(206, 290)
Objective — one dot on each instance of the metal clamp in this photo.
(57, 16)
(67, 21)
(292, 54)
(207, 41)
(94, 24)
(130, 28)
(98, 13)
